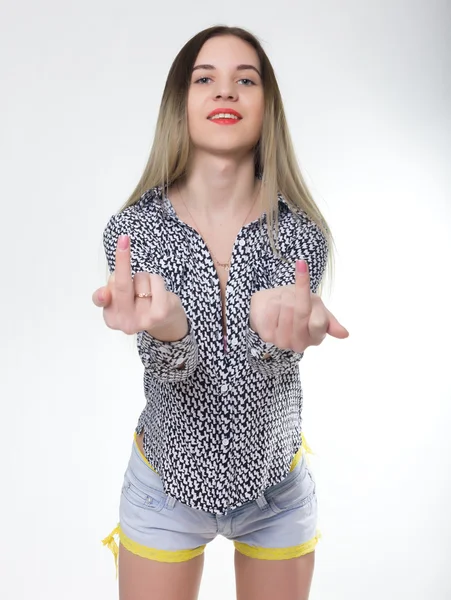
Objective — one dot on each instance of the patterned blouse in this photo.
(222, 422)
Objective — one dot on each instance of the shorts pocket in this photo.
(292, 494)
(141, 495)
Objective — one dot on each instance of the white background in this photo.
(367, 90)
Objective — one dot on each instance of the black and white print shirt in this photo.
(225, 426)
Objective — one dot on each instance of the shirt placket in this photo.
(226, 417)
(228, 391)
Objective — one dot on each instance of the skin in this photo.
(291, 317)
(162, 315)
(219, 190)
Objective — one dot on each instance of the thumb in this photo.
(102, 297)
(335, 328)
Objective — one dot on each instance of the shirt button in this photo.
(225, 442)
(224, 388)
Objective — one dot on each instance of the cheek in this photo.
(194, 115)
(189, 109)
(258, 110)
(257, 120)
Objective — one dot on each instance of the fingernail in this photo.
(301, 267)
(100, 296)
(123, 242)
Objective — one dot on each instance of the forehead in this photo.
(227, 51)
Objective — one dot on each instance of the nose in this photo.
(225, 91)
(226, 96)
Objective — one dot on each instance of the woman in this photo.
(215, 262)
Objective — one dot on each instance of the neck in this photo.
(218, 188)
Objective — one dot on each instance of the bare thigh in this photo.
(269, 579)
(144, 579)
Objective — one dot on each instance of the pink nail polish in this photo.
(301, 267)
(123, 242)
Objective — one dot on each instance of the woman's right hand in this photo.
(162, 315)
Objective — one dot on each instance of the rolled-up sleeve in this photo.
(309, 243)
(166, 361)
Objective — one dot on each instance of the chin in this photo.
(225, 147)
(228, 151)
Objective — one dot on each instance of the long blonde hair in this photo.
(274, 156)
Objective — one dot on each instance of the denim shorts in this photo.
(281, 524)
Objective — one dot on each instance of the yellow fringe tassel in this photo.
(306, 447)
(111, 543)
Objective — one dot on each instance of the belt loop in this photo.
(262, 503)
(170, 502)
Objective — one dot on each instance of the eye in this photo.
(247, 81)
(202, 80)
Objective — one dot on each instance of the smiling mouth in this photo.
(225, 118)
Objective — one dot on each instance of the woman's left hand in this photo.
(292, 317)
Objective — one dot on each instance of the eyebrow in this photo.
(239, 68)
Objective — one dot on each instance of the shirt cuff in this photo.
(168, 361)
(268, 358)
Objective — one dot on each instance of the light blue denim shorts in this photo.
(281, 524)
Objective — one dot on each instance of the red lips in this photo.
(227, 111)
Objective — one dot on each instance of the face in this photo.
(225, 102)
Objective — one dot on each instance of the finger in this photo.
(157, 286)
(123, 281)
(267, 329)
(335, 328)
(284, 332)
(302, 305)
(318, 322)
(142, 286)
(303, 300)
(102, 297)
(160, 306)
